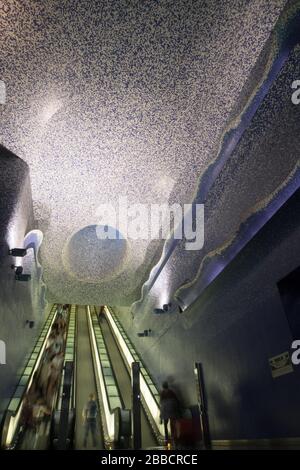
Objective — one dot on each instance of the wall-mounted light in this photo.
(181, 306)
(19, 276)
(18, 252)
(168, 308)
(23, 277)
(18, 269)
(30, 323)
(145, 333)
(158, 311)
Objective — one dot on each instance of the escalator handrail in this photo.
(68, 358)
(71, 319)
(136, 356)
(110, 361)
(132, 356)
(109, 431)
(7, 435)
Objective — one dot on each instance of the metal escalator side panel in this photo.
(107, 418)
(111, 412)
(64, 416)
(150, 401)
(15, 407)
(69, 358)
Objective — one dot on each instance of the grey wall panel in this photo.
(233, 328)
(16, 302)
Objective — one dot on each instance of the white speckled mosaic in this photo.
(118, 98)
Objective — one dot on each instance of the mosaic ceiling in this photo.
(120, 98)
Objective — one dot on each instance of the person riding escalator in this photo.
(89, 415)
(40, 398)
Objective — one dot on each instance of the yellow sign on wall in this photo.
(281, 364)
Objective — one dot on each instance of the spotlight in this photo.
(18, 252)
(167, 307)
(144, 333)
(19, 276)
(30, 323)
(158, 311)
(18, 269)
(181, 305)
(23, 277)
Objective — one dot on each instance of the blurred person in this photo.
(89, 415)
(169, 410)
(26, 420)
(44, 373)
(55, 327)
(50, 340)
(101, 314)
(61, 325)
(59, 309)
(65, 313)
(39, 411)
(58, 344)
(56, 366)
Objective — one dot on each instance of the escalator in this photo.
(85, 381)
(15, 432)
(115, 417)
(124, 382)
(41, 435)
(120, 352)
(149, 392)
(95, 361)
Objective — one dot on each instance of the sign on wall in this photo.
(281, 365)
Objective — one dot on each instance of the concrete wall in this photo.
(17, 303)
(235, 326)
